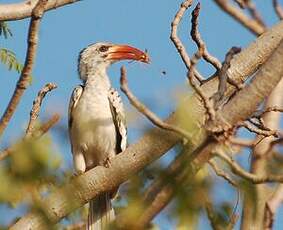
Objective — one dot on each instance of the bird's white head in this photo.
(98, 56)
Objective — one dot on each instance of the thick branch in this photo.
(148, 148)
(21, 10)
(247, 100)
(161, 192)
(24, 79)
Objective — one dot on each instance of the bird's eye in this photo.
(103, 48)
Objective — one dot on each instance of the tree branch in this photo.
(176, 40)
(161, 192)
(195, 34)
(21, 10)
(278, 9)
(251, 24)
(34, 113)
(256, 179)
(24, 79)
(151, 146)
(145, 111)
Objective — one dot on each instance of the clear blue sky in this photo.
(142, 23)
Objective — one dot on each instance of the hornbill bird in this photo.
(97, 128)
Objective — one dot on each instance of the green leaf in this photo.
(4, 30)
(8, 58)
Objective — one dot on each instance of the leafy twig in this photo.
(8, 58)
(5, 30)
(35, 134)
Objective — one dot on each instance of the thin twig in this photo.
(223, 76)
(237, 14)
(219, 172)
(258, 130)
(145, 111)
(37, 105)
(238, 170)
(242, 142)
(278, 9)
(195, 34)
(24, 79)
(207, 103)
(35, 134)
(210, 212)
(254, 12)
(241, 3)
(176, 40)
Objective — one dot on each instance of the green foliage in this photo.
(8, 58)
(29, 172)
(4, 30)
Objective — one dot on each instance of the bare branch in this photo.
(223, 76)
(242, 142)
(237, 14)
(206, 101)
(176, 40)
(272, 206)
(267, 77)
(256, 179)
(259, 131)
(219, 172)
(37, 105)
(254, 12)
(24, 79)
(278, 9)
(21, 10)
(145, 111)
(200, 43)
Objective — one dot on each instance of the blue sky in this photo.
(142, 23)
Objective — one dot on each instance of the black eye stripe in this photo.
(103, 48)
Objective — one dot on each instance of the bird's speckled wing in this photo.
(119, 120)
(77, 92)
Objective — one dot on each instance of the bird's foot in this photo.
(107, 162)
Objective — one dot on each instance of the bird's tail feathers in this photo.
(100, 213)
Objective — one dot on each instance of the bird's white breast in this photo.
(93, 129)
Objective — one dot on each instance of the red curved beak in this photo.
(125, 52)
